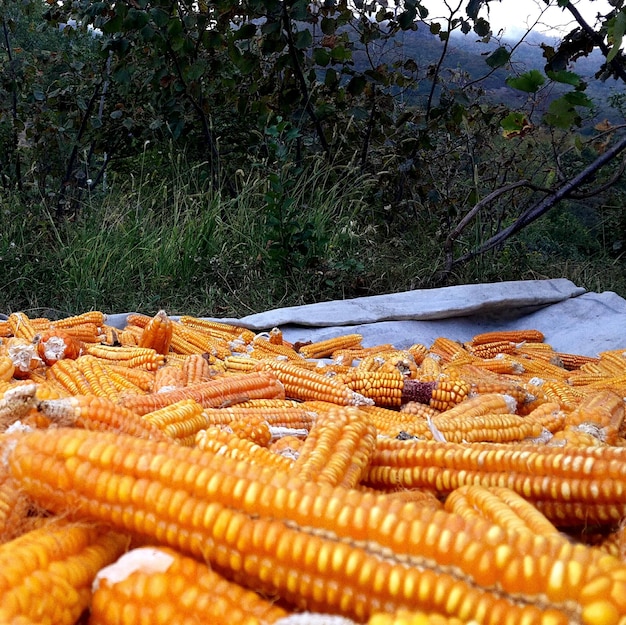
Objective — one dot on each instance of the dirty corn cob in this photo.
(317, 547)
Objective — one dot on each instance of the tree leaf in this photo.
(616, 34)
(356, 86)
(303, 39)
(567, 78)
(321, 57)
(499, 57)
(246, 31)
(528, 82)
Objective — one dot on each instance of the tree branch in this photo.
(542, 207)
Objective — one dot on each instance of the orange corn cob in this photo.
(407, 617)
(6, 368)
(148, 582)
(196, 368)
(168, 378)
(303, 384)
(348, 356)
(418, 351)
(5, 329)
(446, 349)
(253, 428)
(430, 368)
(337, 449)
(97, 377)
(143, 357)
(490, 350)
(57, 344)
(299, 416)
(47, 573)
(276, 336)
(325, 349)
(23, 354)
(262, 349)
(14, 509)
(241, 363)
(497, 428)
(137, 377)
(157, 333)
(570, 484)
(222, 391)
(98, 413)
(514, 336)
(317, 547)
(605, 410)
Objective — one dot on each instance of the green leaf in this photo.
(528, 82)
(567, 78)
(499, 57)
(159, 17)
(561, 114)
(482, 27)
(196, 70)
(513, 122)
(303, 39)
(406, 19)
(116, 114)
(247, 31)
(331, 79)
(341, 54)
(616, 33)
(356, 86)
(576, 98)
(328, 25)
(562, 3)
(321, 57)
(473, 7)
(39, 95)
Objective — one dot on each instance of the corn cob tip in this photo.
(144, 559)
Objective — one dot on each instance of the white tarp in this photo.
(571, 319)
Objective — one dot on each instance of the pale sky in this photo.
(515, 15)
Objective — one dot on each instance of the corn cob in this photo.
(47, 572)
(57, 344)
(168, 378)
(578, 481)
(497, 428)
(503, 507)
(97, 377)
(430, 368)
(300, 416)
(337, 449)
(220, 441)
(407, 617)
(23, 354)
(94, 316)
(16, 403)
(348, 356)
(21, 326)
(262, 349)
(147, 583)
(317, 547)
(492, 349)
(514, 336)
(196, 368)
(67, 375)
(446, 349)
(14, 509)
(137, 377)
(218, 328)
(384, 389)
(303, 384)
(241, 363)
(325, 349)
(98, 413)
(603, 409)
(143, 357)
(157, 333)
(6, 368)
(418, 351)
(212, 394)
(180, 421)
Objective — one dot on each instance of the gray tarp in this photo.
(572, 319)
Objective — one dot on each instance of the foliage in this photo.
(291, 97)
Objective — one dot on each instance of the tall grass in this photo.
(170, 241)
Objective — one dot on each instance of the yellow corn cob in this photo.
(276, 336)
(137, 377)
(157, 333)
(21, 326)
(578, 435)
(325, 349)
(181, 421)
(85, 332)
(98, 413)
(303, 384)
(348, 356)
(406, 617)
(218, 328)
(129, 337)
(67, 374)
(240, 363)
(97, 376)
(220, 441)
(567, 396)
(497, 428)
(503, 507)
(385, 389)
(446, 349)
(292, 415)
(317, 547)
(47, 572)
(14, 509)
(514, 336)
(94, 316)
(400, 423)
(550, 477)
(5, 329)
(188, 340)
(402, 361)
(222, 391)
(430, 368)
(253, 428)
(604, 409)
(549, 416)
(447, 393)
(262, 349)
(146, 583)
(143, 357)
(6, 368)
(337, 449)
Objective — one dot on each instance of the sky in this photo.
(515, 15)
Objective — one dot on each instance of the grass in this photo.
(169, 242)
